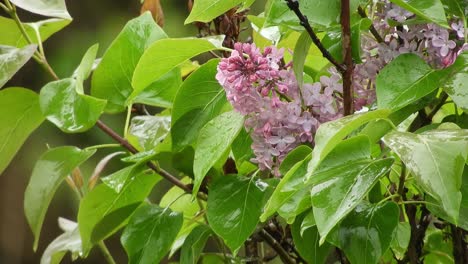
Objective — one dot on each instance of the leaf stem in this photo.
(124, 143)
(39, 57)
(106, 253)
(111, 145)
(294, 6)
(347, 73)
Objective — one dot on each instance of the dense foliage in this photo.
(335, 133)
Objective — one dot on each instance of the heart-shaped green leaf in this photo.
(150, 233)
(234, 207)
(436, 158)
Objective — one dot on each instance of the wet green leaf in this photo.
(207, 10)
(365, 234)
(150, 233)
(299, 56)
(214, 140)
(289, 187)
(84, 69)
(48, 173)
(337, 191)
(52, 8)
(430, 10)
(24, 116)
(456, 84)
(112, 78)
(463, 215)
(103, 211)
(401, 240)
(293, 157)
(146, 132)
(331, 134)
(405, 80)
(436, 158)
(194, 244)
(307, 243)
(12, 59)
(69, 110)
(166, 54)
(180, 201)
(12, 36)
(199, 100)
(161, 93)
(234, 208)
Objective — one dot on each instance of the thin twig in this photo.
(347, 74)
(372, 29)
(294, 6)
(124, 143)
(276, 246)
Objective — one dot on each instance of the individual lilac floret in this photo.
(441, 41)
(398, 14)
(459, 29)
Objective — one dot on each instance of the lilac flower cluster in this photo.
(279, 115)
(436, 45)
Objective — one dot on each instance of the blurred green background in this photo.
(93, 22)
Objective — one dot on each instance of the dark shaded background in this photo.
(94, 21)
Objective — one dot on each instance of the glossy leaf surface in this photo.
(299, 56)
(404, 80)
(436, 158)
(331, 133)
(52, 8)
(430, 10)
(24, 116)
(234, 208)
(48, 173)
(207, 10)
(165, 55)
(199, 99)
(150, 233)
(214, 140)
(290, 186)
(161, 93)
(12, 59)
(112, 78)
(365, 234)
(103, 211)
(67, 109)
(339, 190)
(12, 36)
(83, 70)
(456, 84)
(146, 132)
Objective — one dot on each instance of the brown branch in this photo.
(460, 251)
(348, 58)
(294, 6)
(276, 246)
(124, 143)
(372, 29)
